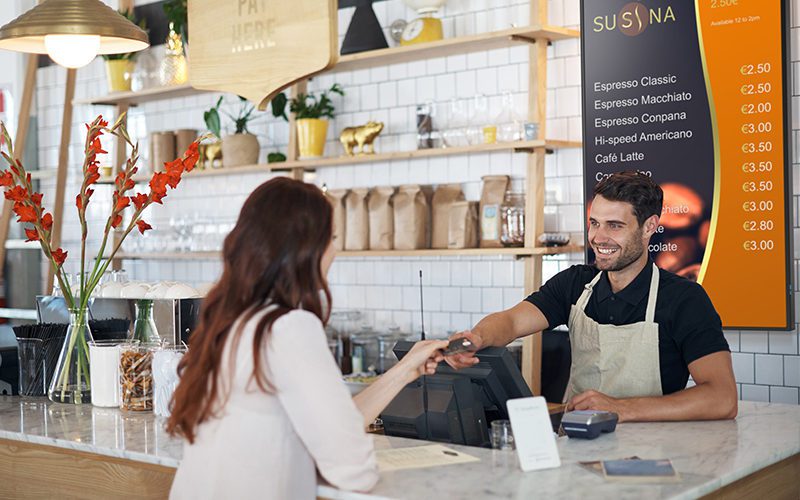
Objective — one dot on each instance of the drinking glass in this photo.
(502, 435)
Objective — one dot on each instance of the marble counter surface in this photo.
(708, 455)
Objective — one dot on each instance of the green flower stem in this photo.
(83, 363)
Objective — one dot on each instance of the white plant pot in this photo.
(239, 150)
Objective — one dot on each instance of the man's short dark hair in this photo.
(635, 188)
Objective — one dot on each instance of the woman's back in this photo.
(266, 445)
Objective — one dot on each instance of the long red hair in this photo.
(272, 258)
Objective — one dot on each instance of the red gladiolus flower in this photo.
(97, 147)
(25, 213)
(157, 197)
(6, 178)
(47, 221)
(17, 193)
(59, 256)
(79, 202)
(143, 226)
(139, 200)
(36, 198)
(32, 235)
(116, 222)
(122, 202)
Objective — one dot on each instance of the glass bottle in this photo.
(512, 214)
(144, 328)
(510, 126)
(71, 381)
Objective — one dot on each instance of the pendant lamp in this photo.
(72, 32)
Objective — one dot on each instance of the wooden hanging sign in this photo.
(256, 48)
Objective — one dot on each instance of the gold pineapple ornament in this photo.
(173, 66)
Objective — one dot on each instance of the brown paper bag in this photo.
(494, 189)
(357, 225)
(411, 218)
(463, 225)
(336, 197)
(381, 218)
(162, 149)
(443, 199)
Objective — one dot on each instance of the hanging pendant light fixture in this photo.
(72, 32)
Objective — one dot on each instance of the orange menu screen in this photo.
(694, 93)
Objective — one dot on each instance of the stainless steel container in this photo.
(175, 318)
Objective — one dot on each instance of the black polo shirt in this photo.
(688, 325)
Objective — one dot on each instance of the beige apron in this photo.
(619, 361)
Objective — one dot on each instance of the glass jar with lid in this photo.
(364, 350)
(512, 214)
(386, 343)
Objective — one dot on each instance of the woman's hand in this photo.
(423, 358)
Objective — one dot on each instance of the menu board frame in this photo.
(589, 134)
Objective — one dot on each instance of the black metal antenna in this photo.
(421, 307)
(424, 377)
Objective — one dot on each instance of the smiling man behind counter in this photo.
(637, 332)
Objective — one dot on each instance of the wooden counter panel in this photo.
(779, 481)
(38, 471)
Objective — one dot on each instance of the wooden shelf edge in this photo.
(428, 252)
(140, 96)
(452, 46)
(310, 164)
(368, 59)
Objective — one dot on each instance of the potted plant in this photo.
(241, 147)
(71, 378)
(310, 112)
(119, 67)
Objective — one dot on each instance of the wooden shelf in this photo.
(521, 252)
(133, 98)
(369, 59)
(452, 46)
(43, 174)
(311, 164)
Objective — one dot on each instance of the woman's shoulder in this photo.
(298, 318)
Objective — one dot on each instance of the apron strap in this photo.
(650, 315)
(583, 300)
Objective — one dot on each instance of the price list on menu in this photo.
(694, 93)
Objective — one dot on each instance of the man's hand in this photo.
(593, 400)
(465, 359)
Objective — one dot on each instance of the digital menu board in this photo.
(695, 94)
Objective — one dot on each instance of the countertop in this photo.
(708, 455)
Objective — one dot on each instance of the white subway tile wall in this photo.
(459, 291)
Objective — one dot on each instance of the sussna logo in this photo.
(633, 19)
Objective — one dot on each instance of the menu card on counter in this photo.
(418, 457)
(533, 434)
(696, 96)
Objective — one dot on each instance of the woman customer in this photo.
(261, 402)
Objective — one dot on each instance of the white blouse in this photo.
(271, 445)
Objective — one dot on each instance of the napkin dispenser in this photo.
(175, 318)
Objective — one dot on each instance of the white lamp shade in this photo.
(72, 51)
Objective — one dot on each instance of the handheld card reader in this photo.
(459, 345)
(588, 424)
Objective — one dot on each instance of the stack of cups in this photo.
(165, 377)
(104, 369)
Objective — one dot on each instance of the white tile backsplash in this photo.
(459, 291)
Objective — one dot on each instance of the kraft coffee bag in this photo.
(381, 218)
(443, 200)
(336, 198)
(463, 225)
(357, 225)
(494, 189)
(411, 218)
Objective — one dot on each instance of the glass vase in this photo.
(144, 328)
(71, 381)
